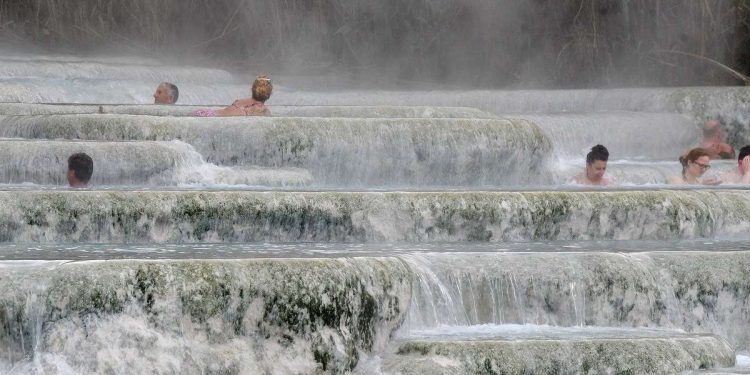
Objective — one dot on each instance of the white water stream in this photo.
(356, 229)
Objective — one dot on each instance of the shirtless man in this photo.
(166, 93)
(741, 175)
(713, 141)
(596, 166)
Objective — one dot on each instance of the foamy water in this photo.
(359, 230)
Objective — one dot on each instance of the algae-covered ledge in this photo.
(248, 216)
(320, 313)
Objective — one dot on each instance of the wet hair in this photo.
(692, 155)
(262, 88)
(597, 152)
(82, 166)
(173, 91)
(744, 151)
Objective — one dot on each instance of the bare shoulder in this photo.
(675, 180)
(730, 177)
(244, 102)
(580, 179)
(232, 110)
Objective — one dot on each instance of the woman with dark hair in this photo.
(694, 164)
(596, 166)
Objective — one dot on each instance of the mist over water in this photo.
(488, 43)
(405, 210)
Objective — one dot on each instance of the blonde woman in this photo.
(252, 106)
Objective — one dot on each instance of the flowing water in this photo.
(374, 232)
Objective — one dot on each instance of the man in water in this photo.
(713, 141)
(596, 166)
(166, 93)
(741, 175)
(80, 169)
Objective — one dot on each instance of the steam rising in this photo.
(508, 43)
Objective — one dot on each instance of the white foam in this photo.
(533, 331)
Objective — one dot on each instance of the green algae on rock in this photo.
(667, 355)
(404, 151)
(312, 314)
(247, 216)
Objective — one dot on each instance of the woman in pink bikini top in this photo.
(253, 106)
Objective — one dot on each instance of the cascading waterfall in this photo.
(626, 134)
(248, 216)
(700, 103)
(132, 163)
(695, 291)
(359, 231)
(127, 163)
(280, 111)
(164, 316)
(337, 151)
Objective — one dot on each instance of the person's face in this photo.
(162, 96)
(698, 167)
(595, 170)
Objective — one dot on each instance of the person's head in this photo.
(80, 169)
(166, 93)
(262, 88)
(712, 129)
(695, 162)
(596, 163)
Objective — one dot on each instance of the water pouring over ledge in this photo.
(183, 312)
(237, 275)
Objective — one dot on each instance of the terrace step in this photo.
(554, 350)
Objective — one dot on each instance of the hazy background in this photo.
(473, 43)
